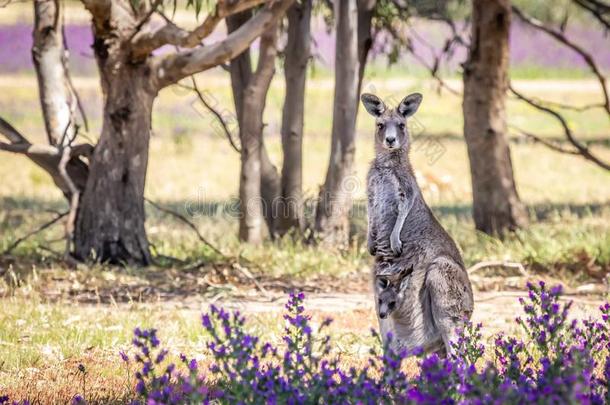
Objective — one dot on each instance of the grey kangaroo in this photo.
(434, 297)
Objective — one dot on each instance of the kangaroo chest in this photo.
(388, 189)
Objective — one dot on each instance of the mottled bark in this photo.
(332, 214)
(297, 54)
(50, 61)
(496, 204)
(110, 224)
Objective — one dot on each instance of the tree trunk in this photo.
(366, 10)
(332, 214)
(496, 204)
(110, 223)
(297, 54)
(259, 180)
(57, 99)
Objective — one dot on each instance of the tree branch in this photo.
(582, 149)
(559, 36)
(218, 116)
(11, 133)
(48, 157)
(144, 42)
(28, 235)
(74, 196)
(171, 68)
(548, 144)
(599, 10)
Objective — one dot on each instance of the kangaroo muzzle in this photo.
(391, 138)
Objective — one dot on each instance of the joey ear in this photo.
(373, 104)
(405, 271)
(409, 105)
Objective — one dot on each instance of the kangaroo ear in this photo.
(373, 104)
(409, 104)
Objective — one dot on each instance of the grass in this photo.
(44, 336)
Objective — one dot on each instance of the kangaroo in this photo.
(436, 297)
(388, 288)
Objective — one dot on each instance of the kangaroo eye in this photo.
(383, 283)
(380, 125)
(401, 126)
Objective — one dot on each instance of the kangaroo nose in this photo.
(390, 140)
(382, 315)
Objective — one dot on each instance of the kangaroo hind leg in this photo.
(451, 298)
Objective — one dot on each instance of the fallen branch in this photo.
(41, 228)
(498, 263)
(251, 277)
(191, 225)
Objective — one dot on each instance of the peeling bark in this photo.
(496, 204)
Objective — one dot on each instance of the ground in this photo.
(56, 318)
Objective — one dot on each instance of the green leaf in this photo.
(197, 4)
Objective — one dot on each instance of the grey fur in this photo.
(403, 233)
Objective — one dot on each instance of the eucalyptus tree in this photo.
(496, 204)
(109, 219)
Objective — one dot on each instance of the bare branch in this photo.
(172, 68)
(218, 116)
(74, 197)
(599, 10)
(48, 157)
(28, 235)
(549, 144)
(143, 43)
(563, 106)
(433, 70)
(582, 149)
(30, 149)
(79, 103)
(146, 17)
(224, 8)
(559, 36)
(11, 133)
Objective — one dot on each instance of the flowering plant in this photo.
(553, 360)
